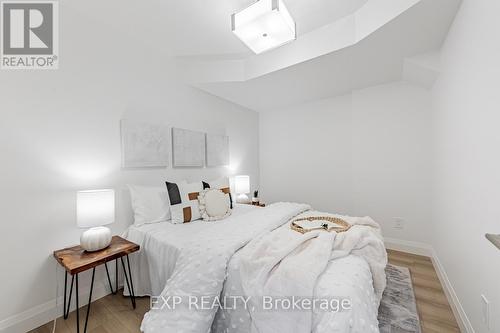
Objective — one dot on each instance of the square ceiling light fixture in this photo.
(264, 25)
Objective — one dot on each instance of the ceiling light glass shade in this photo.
(264, 25)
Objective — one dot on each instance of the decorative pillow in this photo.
(223, 185)
(184, 205)
(214, 205)
(150, 204)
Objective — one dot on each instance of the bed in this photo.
(161, 244)
(215, 259)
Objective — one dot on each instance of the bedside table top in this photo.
(76, 260)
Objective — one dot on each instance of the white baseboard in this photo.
(428, 251)
(409, 247)
(459, 312)
(46, 312)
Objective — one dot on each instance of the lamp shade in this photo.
(95, 208)
(242, 184)
(264, 25)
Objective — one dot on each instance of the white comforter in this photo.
(286, 263)
(202, 269)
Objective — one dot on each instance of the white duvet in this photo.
(276, 262)
(286, 263)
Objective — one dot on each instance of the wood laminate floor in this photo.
(114, 314)
(433, 307)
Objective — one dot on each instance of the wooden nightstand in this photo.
(76, 260)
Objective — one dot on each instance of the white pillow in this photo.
(150, 204)
(214, 205)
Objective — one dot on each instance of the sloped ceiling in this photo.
(264, 84)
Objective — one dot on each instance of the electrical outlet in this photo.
(399, 223)
(485, 306)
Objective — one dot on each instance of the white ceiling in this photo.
(203, 27)
(377, 59)
(313, 14)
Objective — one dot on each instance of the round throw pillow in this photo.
(214, 205)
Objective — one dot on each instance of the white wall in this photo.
(367, 153)
(466, 102)
(308, 161)
(59, 133)
(374, 152)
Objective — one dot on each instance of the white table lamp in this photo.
(242, 187)
(94, 209)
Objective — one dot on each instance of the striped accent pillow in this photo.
(184, 204)
(220, 184)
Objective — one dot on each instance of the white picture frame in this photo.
(144, 145)
(188, 148)
(217, 150)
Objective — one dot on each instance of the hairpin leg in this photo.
(77, 307)
(130, 285)
(109, 280)
(65, 287)
(67, 305)
(90, 301)
(130, 276)
(116, 274)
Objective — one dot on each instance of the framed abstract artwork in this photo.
(144, 145)
(217, 150)
(188, 148)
